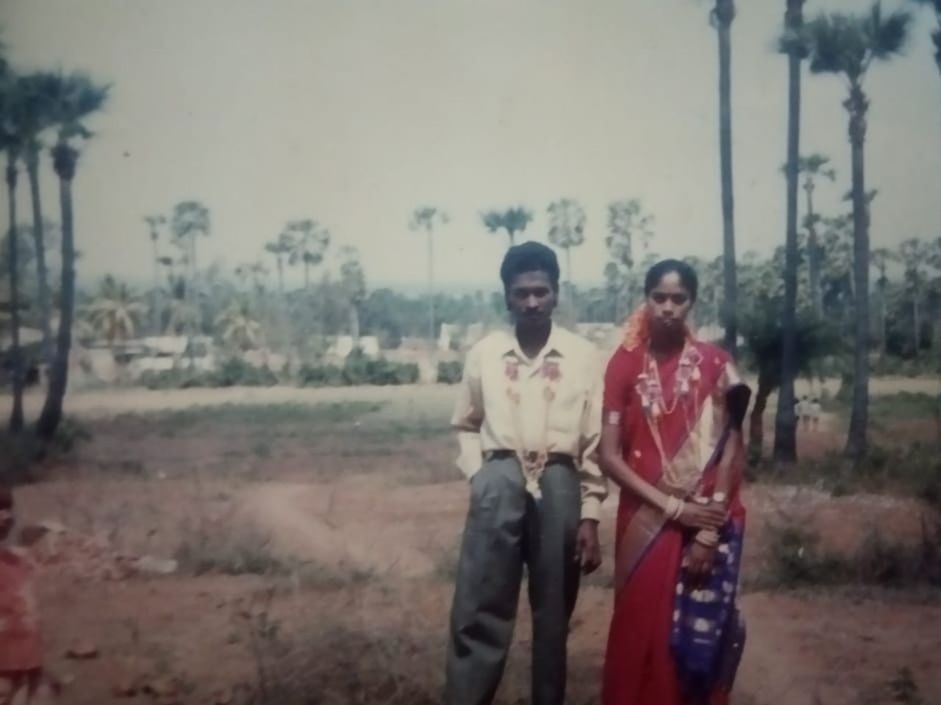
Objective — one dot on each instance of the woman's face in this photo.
(669, 303)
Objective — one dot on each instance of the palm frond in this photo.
(888, 35)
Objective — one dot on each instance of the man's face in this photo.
(531, 299)
(669, 303)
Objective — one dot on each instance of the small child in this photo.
(813, 412)
(21, 673)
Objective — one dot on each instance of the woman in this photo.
(672, 442)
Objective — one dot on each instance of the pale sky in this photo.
(354, 112)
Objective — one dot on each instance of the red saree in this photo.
(639, 666)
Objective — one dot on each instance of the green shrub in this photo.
(450, 372)
(358, 370)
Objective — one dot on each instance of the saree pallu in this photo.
(646, 663)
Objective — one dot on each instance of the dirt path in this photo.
(292, 514)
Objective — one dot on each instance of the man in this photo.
(528, 419)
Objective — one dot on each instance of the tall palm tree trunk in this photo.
(725, 14)
(857, 105)
(431, 286)
(155, 294)
(64, 161)
(813, 252)
(16, 414)
(916, 320)
(785, 429)
(42, 273)
(883, 340)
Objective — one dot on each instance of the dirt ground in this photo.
(341, 512)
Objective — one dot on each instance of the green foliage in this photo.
(450, 372)
(357, 370)
(233, 372)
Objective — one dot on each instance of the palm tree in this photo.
(812, 167)
(567, 230)
(721, 17)
(11, 143)
(154, 223)
(627, 221)
(71, 99)
(114, 311)
(785, 432)
(280, 247)
(513, 220)
(38, 117)
(353, 282)
(310, 240)
(936, 33)
(190, 220)
(847, 45)
(428, 218)
(914, 254)
(237, 326)
(880, 259)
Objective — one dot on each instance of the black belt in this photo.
(551, 459)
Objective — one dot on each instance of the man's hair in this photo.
(6, 497)
(529, 257)
(687, 275)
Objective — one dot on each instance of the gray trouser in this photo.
(505, 528)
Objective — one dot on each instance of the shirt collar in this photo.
(554, 346)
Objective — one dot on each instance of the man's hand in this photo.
(587, 546)
(700, 560)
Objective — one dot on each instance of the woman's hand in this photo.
(702, 516)
(699, 562)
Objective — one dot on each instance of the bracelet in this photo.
(719, 497)
(673, 508)
(707, 537)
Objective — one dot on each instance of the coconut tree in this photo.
(154, 223)
(567, 230)
(189, 221)
(310, 242)
(721, 16)
(72, 99)
(812, 168)
(36, 91)
(512, 220)
(880, 259)
(238, 327)
(792, 43)
(11, 144)
(353, 283)
(428, 219)
(846, 46)
(936, 33)
(280, 248)
(627, 223)
(914, 255)
(114, 311)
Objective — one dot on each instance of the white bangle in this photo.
(673, 508)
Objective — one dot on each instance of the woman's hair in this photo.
(529, 257)
(687, 275)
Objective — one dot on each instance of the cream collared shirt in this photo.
(504, 403)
